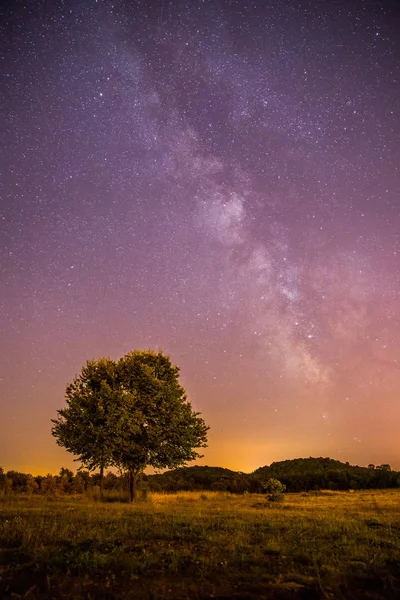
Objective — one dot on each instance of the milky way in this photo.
(219, 180)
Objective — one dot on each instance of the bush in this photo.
(274, 489)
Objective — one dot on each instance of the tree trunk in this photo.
(101, 481)
(133, 477)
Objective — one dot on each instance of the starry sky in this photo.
(218, 179)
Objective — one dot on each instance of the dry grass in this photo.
(202, 545)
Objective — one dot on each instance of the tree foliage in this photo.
(2, 479)
(84, 427)
(274, 489)
(305, 474)
(130, 414)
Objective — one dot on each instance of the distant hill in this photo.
(195, 478)
(302, 465)
(303, 474)
(299, 474)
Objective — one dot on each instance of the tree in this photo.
(2, 479)
(275, 489)
(159, 427)
(18, 481)
(31, 484)
(87, 426)
(49, 485)
(65, 480)
(130, 414)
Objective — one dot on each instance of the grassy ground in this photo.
(198, 546)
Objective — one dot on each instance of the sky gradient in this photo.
(219, 179)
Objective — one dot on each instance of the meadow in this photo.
(197, 545)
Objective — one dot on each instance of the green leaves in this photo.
(130, 414)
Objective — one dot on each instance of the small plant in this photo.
(373, 523)
(274, 489)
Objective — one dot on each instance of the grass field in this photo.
(202, 545)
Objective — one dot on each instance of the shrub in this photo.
(274, 489)
(49, 485)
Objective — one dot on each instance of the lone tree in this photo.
(130, 414)
(274, 489)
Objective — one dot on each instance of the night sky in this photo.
(218, 179)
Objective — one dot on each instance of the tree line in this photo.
(298, 475)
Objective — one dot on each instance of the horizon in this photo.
(42, 472)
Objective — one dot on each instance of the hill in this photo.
(303, 474)
(299, 474)
(197, 478)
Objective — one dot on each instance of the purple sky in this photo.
(219, 179)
